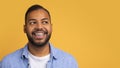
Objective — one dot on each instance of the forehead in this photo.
(38, 14)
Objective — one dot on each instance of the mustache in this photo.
(39, 30)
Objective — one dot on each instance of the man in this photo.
(38, 52)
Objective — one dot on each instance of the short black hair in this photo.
(35, 7)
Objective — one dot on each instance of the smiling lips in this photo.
(39, 34)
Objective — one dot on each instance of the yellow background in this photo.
(87, 29)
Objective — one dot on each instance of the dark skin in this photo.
(38, 28)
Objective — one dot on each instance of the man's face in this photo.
(38, 27)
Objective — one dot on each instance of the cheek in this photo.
(50, 29)
(28, 30)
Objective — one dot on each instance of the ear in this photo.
(51, 24)
(24, 28)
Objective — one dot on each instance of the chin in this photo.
(39, 44)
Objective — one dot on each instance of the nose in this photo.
(39, 25)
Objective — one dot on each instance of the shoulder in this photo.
(64, 55)
(67, 58)
(11, 57)
(58, 53)
(15, 54)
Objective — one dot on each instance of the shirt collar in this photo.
(53, 53)
(25, 52)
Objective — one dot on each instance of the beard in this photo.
(39, 44)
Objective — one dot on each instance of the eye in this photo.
(45, 22)
(32, 22)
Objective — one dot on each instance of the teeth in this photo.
(39, 34)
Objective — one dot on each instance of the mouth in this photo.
(39, 35)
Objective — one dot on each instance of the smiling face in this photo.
(38, 27)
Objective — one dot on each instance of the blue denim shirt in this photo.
(19, 59)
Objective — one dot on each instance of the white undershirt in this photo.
(38, 62)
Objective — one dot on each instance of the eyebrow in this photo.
(45, 19)
(41, 19)
(31, 19)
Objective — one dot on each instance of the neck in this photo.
(39, 51)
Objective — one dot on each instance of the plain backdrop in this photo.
(87, 29)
